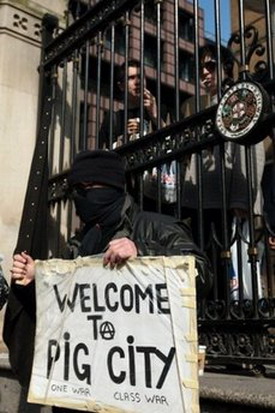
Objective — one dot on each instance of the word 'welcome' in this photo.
(152, 299)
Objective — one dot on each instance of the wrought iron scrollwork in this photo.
(253, 47)
(236, 345)
(215, 309)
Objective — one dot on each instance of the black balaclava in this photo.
(98, 207)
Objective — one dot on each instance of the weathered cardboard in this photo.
(121, 340)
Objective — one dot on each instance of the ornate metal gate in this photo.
(78, 84)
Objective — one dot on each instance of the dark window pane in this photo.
(150, 51)
(186, 26)
(119, 39)
(186, 67)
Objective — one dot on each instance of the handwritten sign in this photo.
(121, 340)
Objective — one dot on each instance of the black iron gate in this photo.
(80, 89)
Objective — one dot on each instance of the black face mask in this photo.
(99, 205)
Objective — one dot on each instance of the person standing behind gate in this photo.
(236, 181)
(114, 226)
(133, 124)
(119, 136)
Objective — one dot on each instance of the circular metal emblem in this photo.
(239, 110)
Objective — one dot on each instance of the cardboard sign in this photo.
(121, 340)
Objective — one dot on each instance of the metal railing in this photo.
(79, 85)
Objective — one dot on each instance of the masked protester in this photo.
(114, 226)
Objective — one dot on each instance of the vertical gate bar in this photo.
(112, 65)
(180, 167)
(248, 159)
(142, 76)
(99, 48)
(84, 134)
(142, 79)
(180, 174)
(269, 269)
(240, 272)
(63, 115)
(225, 244)
(158, 3)
(270, 54)
(74, 144)
(58, 227)
(198, 108)
(217, 20)
(158, 11)
(69, 218)
(252, 250)
(196, 54)
(215, 290)
(63, 133)
(244, 67)
(63, 92)
(52, 136)
(126, 60)
(176, 61)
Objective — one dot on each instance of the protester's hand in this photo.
(150, 104)
(133, 126)
(23, 269)
(271, 241)
(119, 142)
(119, 250)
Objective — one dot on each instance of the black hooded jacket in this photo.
(154, 235)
